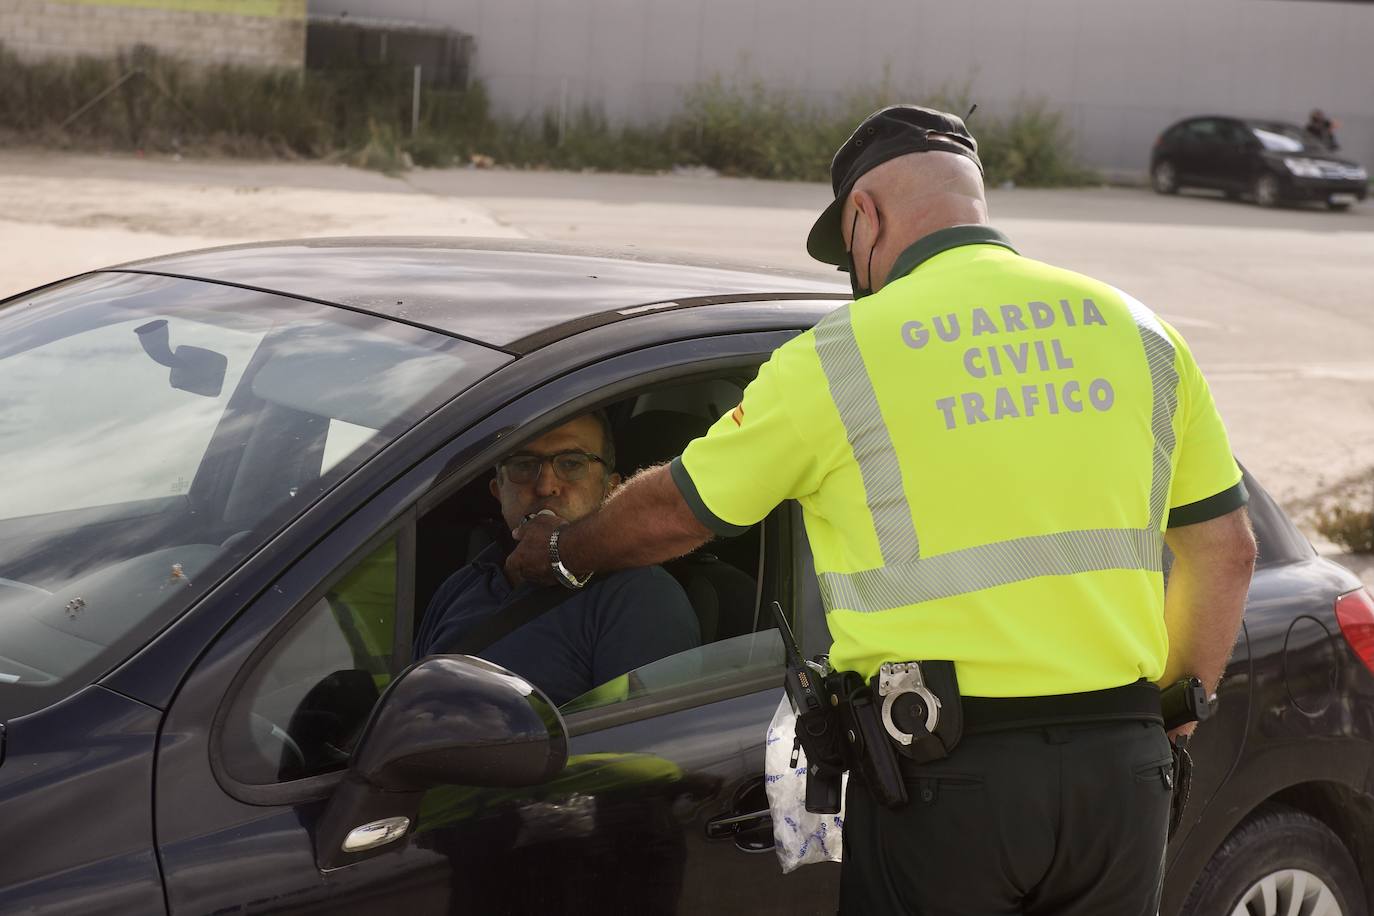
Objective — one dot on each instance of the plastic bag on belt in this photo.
(799, 837)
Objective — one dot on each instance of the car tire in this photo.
(1337, 206)
(1164, 177)
(1275, 854)
(1268, 192)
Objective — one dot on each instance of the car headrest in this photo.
(655, 436)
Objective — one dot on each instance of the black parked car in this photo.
(1268, 160)
(232, 478)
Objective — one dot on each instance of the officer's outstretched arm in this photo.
(1205, 598)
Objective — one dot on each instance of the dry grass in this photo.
(363, 116)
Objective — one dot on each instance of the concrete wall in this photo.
(1120, 70)
(255, 32)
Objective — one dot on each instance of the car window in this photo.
(156, 431)
(1280, 139)
(706, 620)
(697, 669)
(1204, 130)
(341, 440)
(302, 707)
(1232, 132)
(1277, 539)
(46, 401)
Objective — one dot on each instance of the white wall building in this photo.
(1120, 70)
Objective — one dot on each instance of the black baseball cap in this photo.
(886, 134)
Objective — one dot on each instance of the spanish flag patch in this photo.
(738, 415)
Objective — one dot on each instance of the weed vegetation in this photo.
(363, 116)
(1348, 520)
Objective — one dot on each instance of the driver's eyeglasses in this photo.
(567, 466)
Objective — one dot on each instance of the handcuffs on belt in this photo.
(909, 709)
(897, 681)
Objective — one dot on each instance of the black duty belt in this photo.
(1138, 701)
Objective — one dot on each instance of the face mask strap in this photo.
(859, 291)
(869, 270)
(849, 252)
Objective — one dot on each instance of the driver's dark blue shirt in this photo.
(620, 621)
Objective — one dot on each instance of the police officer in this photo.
(990, 453)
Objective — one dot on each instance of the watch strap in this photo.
(562, 573)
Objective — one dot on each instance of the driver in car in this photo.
(588, 636)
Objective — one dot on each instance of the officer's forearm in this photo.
(1205, 600)
(644, 522)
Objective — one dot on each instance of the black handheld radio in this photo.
(817, 724)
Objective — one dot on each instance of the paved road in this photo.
(1276, 304)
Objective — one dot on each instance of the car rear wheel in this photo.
(1164, 177)
(1267, 191)
(1279, 862)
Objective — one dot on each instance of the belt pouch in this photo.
(871, 750)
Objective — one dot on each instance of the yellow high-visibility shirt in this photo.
(987, 452)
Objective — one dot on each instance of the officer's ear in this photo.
(866, 209)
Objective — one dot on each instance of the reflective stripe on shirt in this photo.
(907, 578)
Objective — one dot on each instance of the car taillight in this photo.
(1355, 614)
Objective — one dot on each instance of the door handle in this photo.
(722, 828)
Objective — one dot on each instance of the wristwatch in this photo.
(562, 573)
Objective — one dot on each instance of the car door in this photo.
(1181, 148)
(1233, 156)
(1202, 150)
(661, 808)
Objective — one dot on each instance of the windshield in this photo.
(155, 431)
(1282, 138)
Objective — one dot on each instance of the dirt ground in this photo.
(1275, 303)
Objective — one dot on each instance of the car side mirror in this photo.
(448, 719)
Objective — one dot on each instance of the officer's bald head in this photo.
(895, 204)
(936, 182)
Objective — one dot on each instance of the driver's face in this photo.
(569, 500)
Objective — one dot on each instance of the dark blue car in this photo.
(231, 480)
(1269, 161)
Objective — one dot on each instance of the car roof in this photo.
(512, 294)
(1264, 123)
(1203, 117)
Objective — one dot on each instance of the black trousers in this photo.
(1064, 820)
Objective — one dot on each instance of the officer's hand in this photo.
(529, 561)
(1183, 731)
